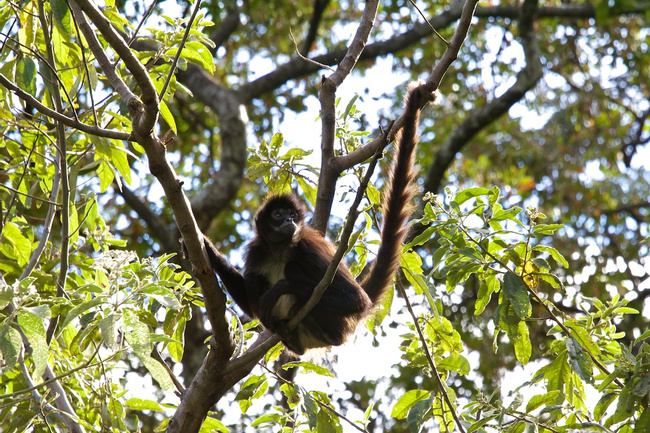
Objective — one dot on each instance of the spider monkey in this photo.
(287, 259)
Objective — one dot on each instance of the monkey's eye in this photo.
(276, 214)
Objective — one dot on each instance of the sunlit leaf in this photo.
(10, 345)
(34, 330)
(407, 401)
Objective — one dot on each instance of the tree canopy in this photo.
(522, 303)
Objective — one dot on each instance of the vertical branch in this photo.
(61, 401)
(329, 168)
(62, 161)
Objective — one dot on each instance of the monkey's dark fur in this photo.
(287, 259)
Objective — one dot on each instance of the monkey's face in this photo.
(281, 225)
(284, 221)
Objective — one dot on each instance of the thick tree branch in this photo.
(297, 67)
(329, 171)
(168, 238)
(314, 24)
(232, 116)
(144, 110)
(227, 27)
(527, 78)
(147, 112)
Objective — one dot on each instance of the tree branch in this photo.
(144, 110)
(227, 27)
(232, 116)
(329, 170)
(159, 166)
(296, 68)
(314, 24)
(527, 78)
(161, 230)
(59, 117)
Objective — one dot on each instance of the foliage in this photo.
(544, 275)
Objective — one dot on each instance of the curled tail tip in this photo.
(421, 93)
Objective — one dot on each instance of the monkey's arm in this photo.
(233, 280)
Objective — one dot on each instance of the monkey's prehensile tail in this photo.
(397, 200)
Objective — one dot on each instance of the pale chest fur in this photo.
(272, 268)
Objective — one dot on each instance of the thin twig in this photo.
(428, 23)
(342, 248)
(179, 50)
(307, 59)
(141, 23)
(320, 403)
(432, 363)
(55, 115)
(177, 383)
(84, 60)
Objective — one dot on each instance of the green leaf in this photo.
(157, 371)
(168, 117)
(516, 292)
(309, 367)
(81, 308)
(468, 193)
(349, 107)
(641, 337)
(105, 174)
(494, 195)
(455, 362)
(22, 247)
(523, 348)
(517, 332)
(6, 296)
(137, 335)
(643, 422)
(422, 238)
(62, 15)
(176, 347)
(292, 396)
(490, 285)
(603, 404)
(10, 345)
(582, 336)
(140, 404)
(553, 253)
(198, 53)
(109, 327)
(254, 387)
(509, 214)
(477, 425)
(33, 327)
(26, 75)
(541, 400)
(120, 161)
(557, 374)
(407, 401)
(267, 418)
(419, 413)
(546, 229)
(471, 253)
(308, 190)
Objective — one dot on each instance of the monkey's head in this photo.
(280, 219)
